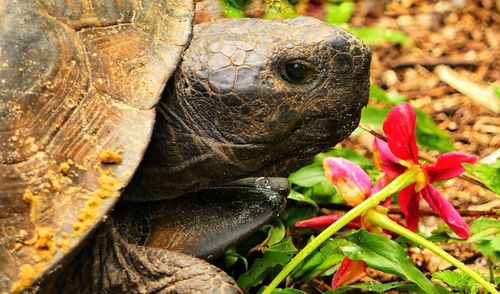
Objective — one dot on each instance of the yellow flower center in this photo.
(421, 179)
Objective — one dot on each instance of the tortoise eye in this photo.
(297, 73)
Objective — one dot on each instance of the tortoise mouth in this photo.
(275, 184)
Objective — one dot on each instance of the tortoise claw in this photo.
(204, 223)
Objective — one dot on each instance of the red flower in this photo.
(349, 272)
(401, 153)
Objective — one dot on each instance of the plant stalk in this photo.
(388, 224)
(402, 181)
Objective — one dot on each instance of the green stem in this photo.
(405, 179)
(385, 222)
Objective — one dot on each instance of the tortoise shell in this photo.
(79, 81)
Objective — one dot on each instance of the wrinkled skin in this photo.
(232, 109)
(109, 264)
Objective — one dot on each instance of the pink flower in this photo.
(324, 221)
(352, 182)
(354, 186)
(400, 153)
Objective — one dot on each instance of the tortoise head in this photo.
(252, 95)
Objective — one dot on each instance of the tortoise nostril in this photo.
(343, 63)
(338, 43)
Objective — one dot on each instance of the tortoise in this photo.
(102, 100)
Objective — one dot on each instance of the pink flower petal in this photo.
(446, 211)
(448, 165)
(385, 160)
(351, 181)
(321, 222)
(349, 272)
(399, 127)
(409, 202)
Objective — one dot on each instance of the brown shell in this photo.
(78, 84)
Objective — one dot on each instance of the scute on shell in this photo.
(75, 79)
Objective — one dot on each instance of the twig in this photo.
(462, 212)
(428, 158)
(373, 132)
(321, 285)
(494, 204)
(482, 95)
(423, 211)
(432, 62)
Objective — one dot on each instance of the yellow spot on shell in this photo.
(111, 157)
(64, 168)
(27, 274)
(87, 215)
(44, 245)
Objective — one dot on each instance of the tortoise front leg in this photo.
(109, 264)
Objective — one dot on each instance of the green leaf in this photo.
(237, 4)
(232, 8)
(231, 257)
(484, 223)
(486, 249)
(324, 192)
(312, 174)
(495, 243)
(457, 281)
(429, 135)
(276, 231)
(284, 246)
(321, 259)
(295, 214)
(307, 176)
(441, 234)
(374, 116)
(374, 35)
(489, 174)
(486, 237)
(386, 255)
(379, 288)
(286, 291)
(338, 13)
(346, 153)
(379, 94)
(496, 88)
(279, 9)
(396, 97)
(274, 258)
(294, 195)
